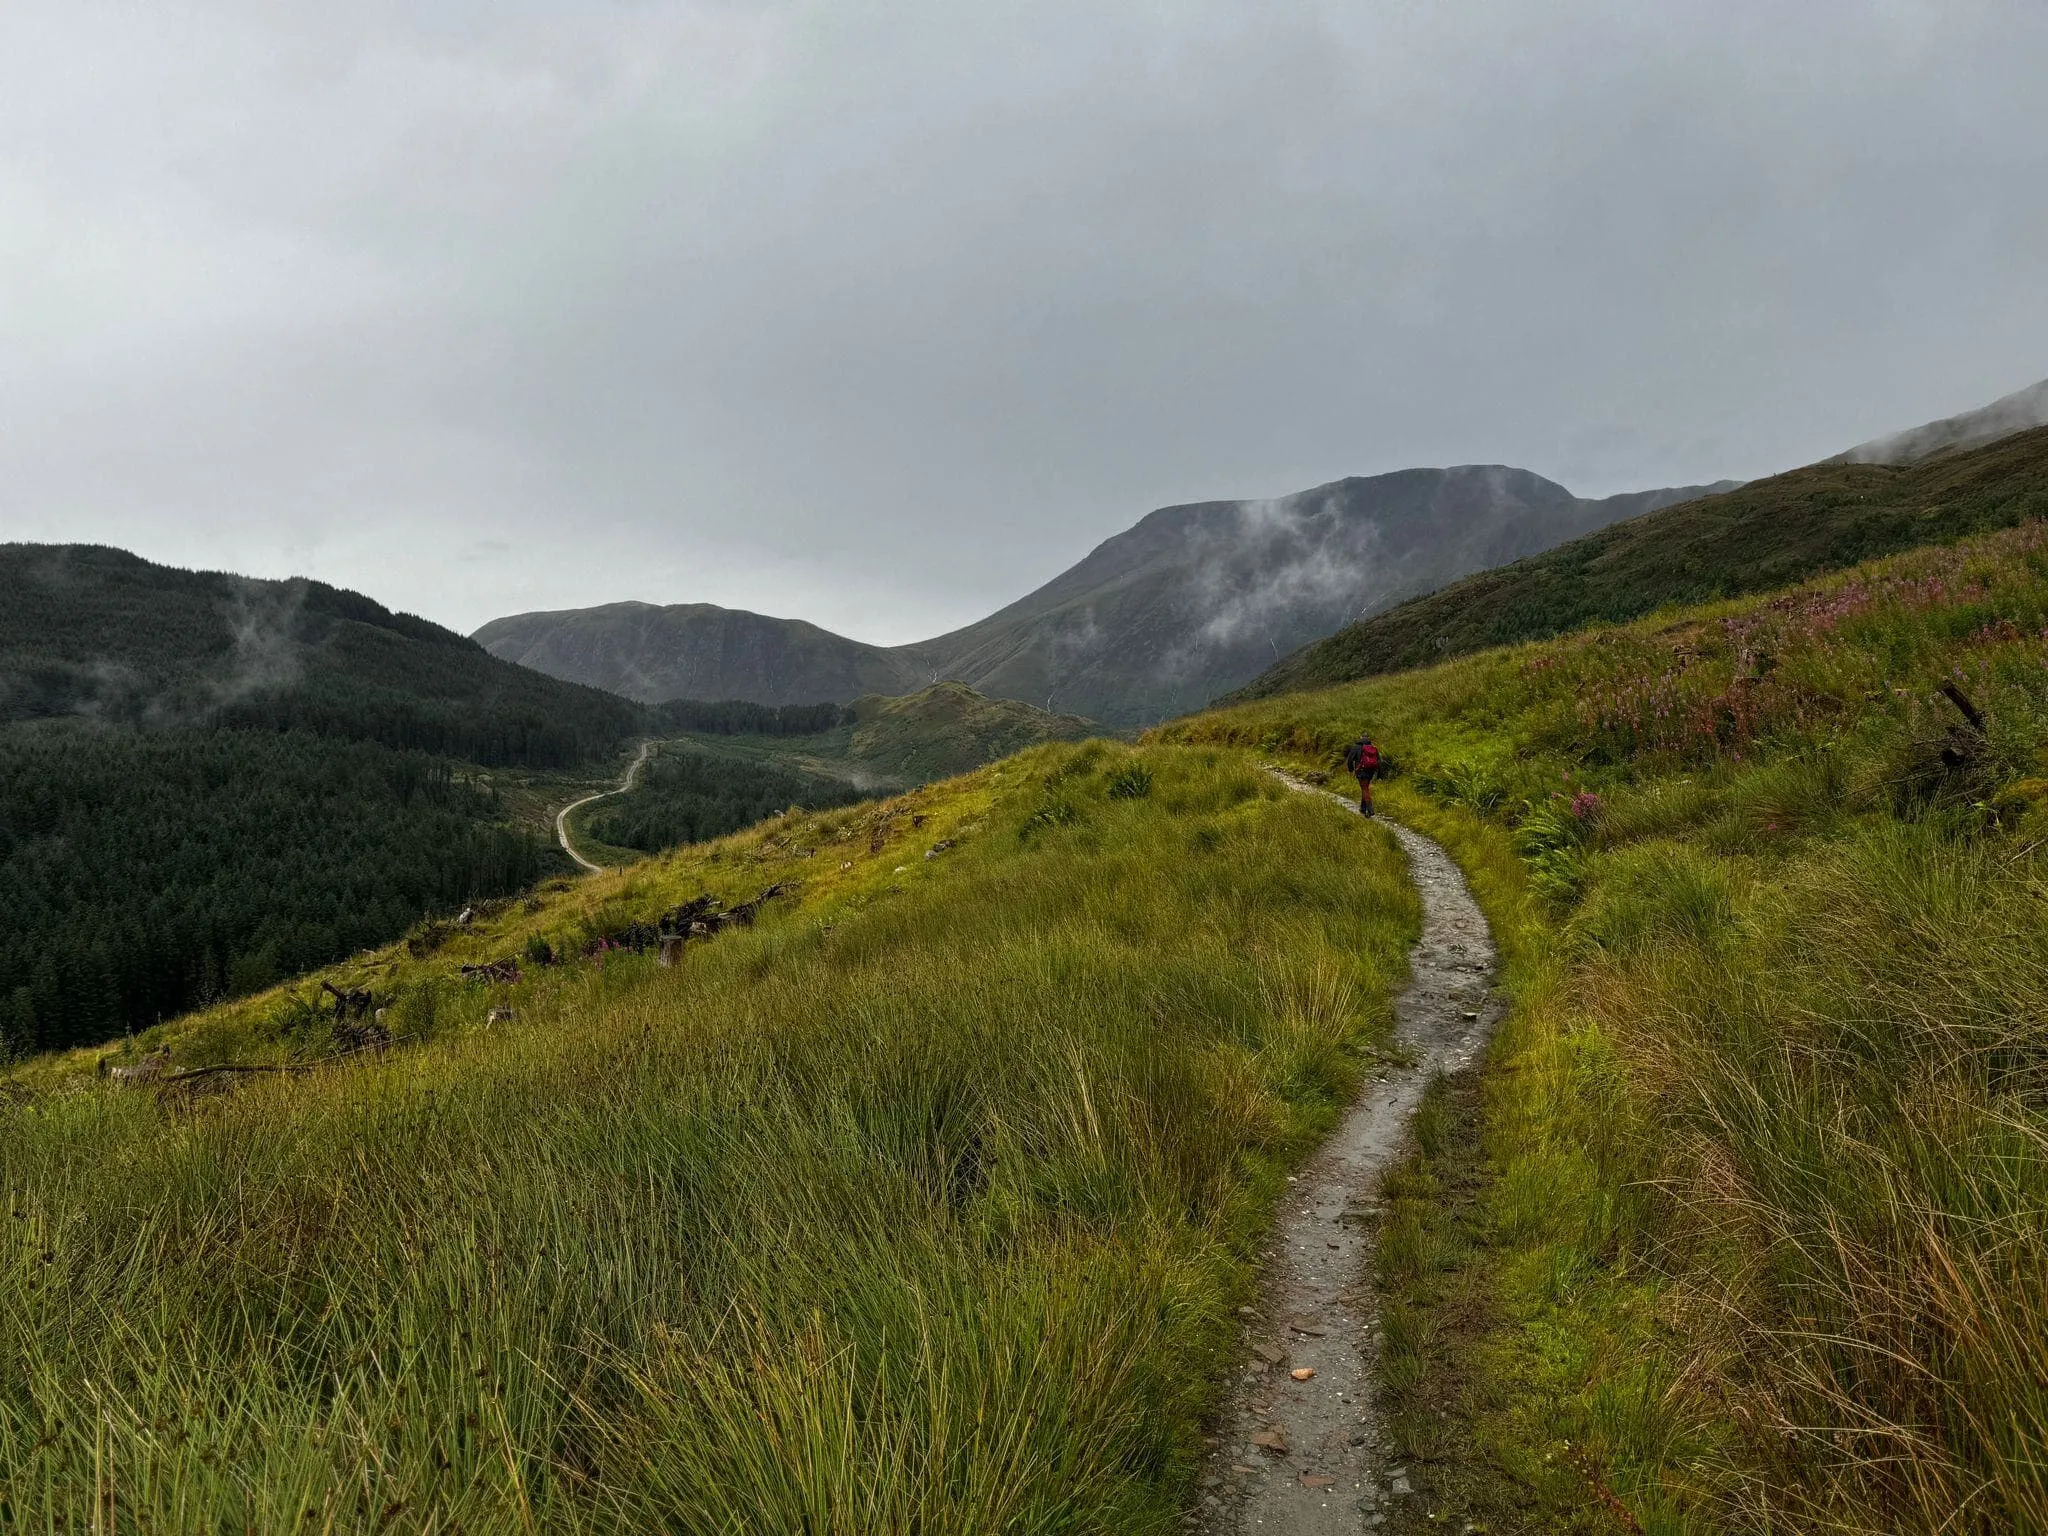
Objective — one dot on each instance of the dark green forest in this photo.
(688, 796)
(146, 872)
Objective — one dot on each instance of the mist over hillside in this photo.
(2020, 411)
(104, 635)
(1190, 602)
(1766, 534)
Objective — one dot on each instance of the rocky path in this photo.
(1301, 1449)
(562, 816)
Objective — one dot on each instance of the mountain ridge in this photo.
(1154, 620)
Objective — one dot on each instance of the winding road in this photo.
(1308, 1457)
(562, 816)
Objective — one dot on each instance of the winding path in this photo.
(562, 816)
(1307, 1458)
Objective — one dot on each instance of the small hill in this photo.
(697, 651)
(2020, 411)
(949, 729)
(1192, 600)
(1767, 534)
(103, 634)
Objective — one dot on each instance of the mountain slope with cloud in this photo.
(1192, 601)
(2020, 411)
(1767, 534)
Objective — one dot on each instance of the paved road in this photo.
(562, 816)
(1308, 1458)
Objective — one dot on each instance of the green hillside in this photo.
(1765, 535)
(1743, 1225)
(925, 1203)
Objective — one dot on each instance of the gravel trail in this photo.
(562, 816)
(1306, 1457)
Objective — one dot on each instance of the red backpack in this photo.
(1362, 758)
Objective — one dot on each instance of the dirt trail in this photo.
(1307, 1458)
(562, 816)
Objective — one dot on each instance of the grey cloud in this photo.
(880, 315)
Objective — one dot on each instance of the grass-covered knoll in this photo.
(732, 763)
(1763, 1240)
(1765, 535)
(922, 1205)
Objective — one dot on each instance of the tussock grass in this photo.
(1764, 1239)
(923, 1206)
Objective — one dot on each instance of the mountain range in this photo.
(1192, 601)
(1196, 601)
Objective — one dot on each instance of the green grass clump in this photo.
(922, 1205)
(1762, 1237)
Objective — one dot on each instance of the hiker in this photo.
(1362, 758)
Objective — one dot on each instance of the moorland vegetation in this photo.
(1742, 1226)
(925, 1201)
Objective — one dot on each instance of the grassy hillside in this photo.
(923, 1204)
(1763, 536)
(1744, 1226)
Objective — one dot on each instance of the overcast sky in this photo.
(880, 313)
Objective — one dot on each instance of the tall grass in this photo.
(923, 1210)
(1767, 1236)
